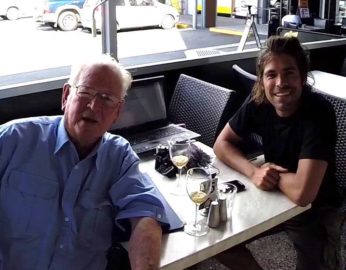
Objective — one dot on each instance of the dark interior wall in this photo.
(42, 103)
(325, 60)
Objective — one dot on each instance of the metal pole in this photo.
(204, 14)
(109, 25)
(194, 15)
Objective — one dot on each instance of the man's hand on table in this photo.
(267, 176)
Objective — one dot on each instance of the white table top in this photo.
(255, 211)
(329, 83)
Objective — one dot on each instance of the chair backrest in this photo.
(245, 79)
(201, 106)
(339, 105)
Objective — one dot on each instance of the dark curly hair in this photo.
(277, 45)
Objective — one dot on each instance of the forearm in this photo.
(302, 187)
(292, 188)
(145, 244)
(233, 157)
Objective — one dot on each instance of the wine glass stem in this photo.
(196, 216)
(179, 179)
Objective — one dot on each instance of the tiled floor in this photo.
(273, 252)
(282, 259)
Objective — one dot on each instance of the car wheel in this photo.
(167, 22)
(12, 13)
(68, 21)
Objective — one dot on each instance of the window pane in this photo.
(36, 40)
(47, 42)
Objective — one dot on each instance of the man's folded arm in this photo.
(145, 244)
(302, 187)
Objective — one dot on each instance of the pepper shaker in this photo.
(214, 214)
(223, 208)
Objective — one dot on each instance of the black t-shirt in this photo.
(308, 134)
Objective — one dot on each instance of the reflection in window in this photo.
(120, 2)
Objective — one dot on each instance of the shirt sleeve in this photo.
(7, 144)
(319, 135)
(135, 195)
(241, 121)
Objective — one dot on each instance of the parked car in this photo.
(133, 14)
(64, 14)
(14, 9)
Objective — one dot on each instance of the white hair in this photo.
(106, 60)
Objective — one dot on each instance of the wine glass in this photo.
(179, 149)
(198, 187)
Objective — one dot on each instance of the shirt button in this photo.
(76, 167)
(66, 219)
(159, 216)
(61, 246)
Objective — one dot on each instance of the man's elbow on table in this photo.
(145, 244)
(302, 201)
(300, 195)
(219, 145)
(302, 187)
(225, 142)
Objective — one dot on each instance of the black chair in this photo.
(253, 145)
(339, 105)
(244, 79)
(201, 106)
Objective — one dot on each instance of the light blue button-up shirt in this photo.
(57, 212)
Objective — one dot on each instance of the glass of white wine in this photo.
(179, 151)
(198, 187)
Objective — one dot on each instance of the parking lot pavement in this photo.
(228, 24)
(224, 36)
(35, 53)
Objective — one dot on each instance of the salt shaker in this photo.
(214, 214)
(223, 208)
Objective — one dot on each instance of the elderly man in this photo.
(66, 182)
(298, 129)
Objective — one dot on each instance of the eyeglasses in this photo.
(89, 94)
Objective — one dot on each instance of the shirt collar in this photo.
(63, 138)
